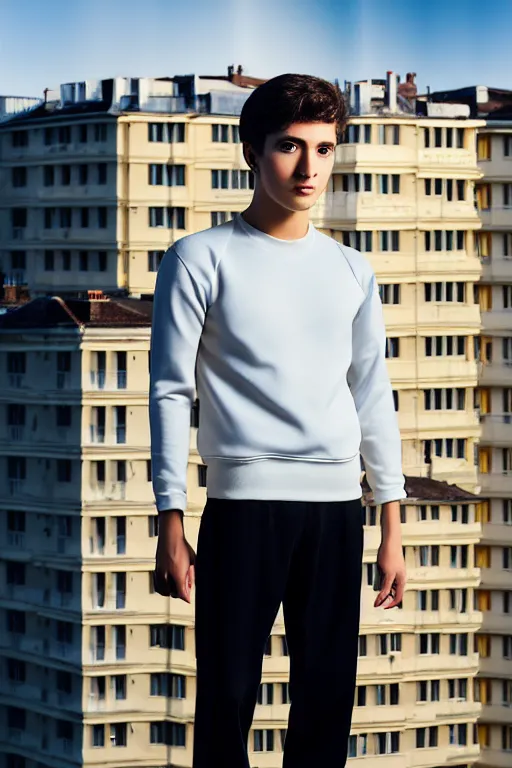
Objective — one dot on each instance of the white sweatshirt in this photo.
(285, 343)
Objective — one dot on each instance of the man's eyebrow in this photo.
(296, 140)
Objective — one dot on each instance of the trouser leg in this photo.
(243, 557)
(322, 612)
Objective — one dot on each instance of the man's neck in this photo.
(272, 219)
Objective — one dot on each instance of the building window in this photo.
(83, 258)
(439, 346)
(100, 132)
(166, 132)
(84, 218)
(154, 260)
(444, 399)
(64, 470)
(168, 217)
(387, 743)
(429, 643)
(166, 175)
(102, 261)
(390, 293)
(83, 134)
(65, 178)
(170, 636)
(263, 740)
(392, 347)
(19, 139)
(102, 218)
(202, 473)
(98, 735)
(102, 173)
(234, 179)
(49, 261)
(19, 176)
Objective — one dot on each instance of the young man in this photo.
(281, 329)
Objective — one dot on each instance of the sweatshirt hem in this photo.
(283, 480)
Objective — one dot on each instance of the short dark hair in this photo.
(287, 99)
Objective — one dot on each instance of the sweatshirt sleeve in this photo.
(371, 389)
(179, 312)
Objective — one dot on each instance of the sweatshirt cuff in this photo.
(394, 493)
(174, 500)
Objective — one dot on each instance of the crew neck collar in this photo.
(276, 242)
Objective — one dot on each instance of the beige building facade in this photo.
(96, 669)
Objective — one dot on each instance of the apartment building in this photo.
(98, 669)
(97, 182)
(402, 192)
(494, 197)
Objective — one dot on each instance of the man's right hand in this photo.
(175, 559)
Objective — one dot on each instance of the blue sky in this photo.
(448, 43)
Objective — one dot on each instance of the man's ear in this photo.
(249, 156)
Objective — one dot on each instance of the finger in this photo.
(191, 576)
(400, 587)
(182, 589)
(386, 589)
(161, 584)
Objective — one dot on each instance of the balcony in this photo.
(461, 577)
(105, 492)
(370, 155)
(21, 643)
(498, 269)
(495, 374)
(497, 217)
(495, 666)
(335, 208)
(496, 578)
(373, 668)
(495, 533)
(497, 320)
(496, 484)
(497, 713)
(435, 421)
(433, 208)
(449, 157)
(497, 758)
(458, 315)
(496, 429)
(99, 381)
(22, 594)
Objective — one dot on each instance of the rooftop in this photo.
(425, 489)
(54, 312)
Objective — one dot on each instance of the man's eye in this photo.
(326, 150)
(287, 145)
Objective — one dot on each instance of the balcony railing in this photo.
(16, 539)
(16, 432)
(97, 433)
(121, 379)
(16, 485)
(63, 379)
(16, 380)
(98, 379)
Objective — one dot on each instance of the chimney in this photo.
(240, 70)
(231, 71)
(391, 91)
(96, 296)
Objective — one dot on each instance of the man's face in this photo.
(296, 164)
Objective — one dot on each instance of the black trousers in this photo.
(251, 556)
